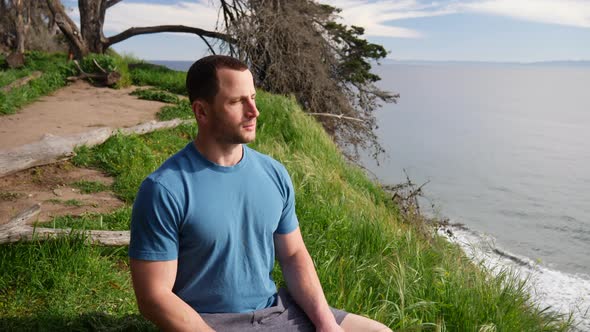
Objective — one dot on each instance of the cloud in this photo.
(378, 17)
(125, 15)
(374, 15)
(563, 12)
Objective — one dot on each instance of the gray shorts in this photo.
(286, 315)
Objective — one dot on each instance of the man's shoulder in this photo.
(172, 169)
(265, 160)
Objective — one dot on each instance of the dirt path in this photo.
(74, 109)
(53, 187)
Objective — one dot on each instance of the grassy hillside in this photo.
(369, 260)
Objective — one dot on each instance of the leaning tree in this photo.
(90, 37)
(293, 46)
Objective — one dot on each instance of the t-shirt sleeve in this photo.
(288, 222)
(155, 221)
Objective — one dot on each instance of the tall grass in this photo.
(370, 261)
(65, 285)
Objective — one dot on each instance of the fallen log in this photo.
(103, 78)
(21, 81)
(53, 149)
(17, 229)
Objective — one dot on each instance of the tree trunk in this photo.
(92, 14)
(20, 26)
(78, 45)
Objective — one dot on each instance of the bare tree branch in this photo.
(208, 45)
(339, 116)
(166, 28)
(111, 3)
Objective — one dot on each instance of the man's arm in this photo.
(153, 282)
(302, 280)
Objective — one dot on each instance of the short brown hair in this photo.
(201, 79)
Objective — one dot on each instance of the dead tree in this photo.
(297, 47)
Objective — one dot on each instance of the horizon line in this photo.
(585, 61)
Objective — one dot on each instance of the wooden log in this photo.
(105, 238)
(17, 224)
(21, 81)
(52, 148)
(103, 78)
(17, 229)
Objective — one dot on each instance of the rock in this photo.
(57, 192)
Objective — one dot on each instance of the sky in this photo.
(444, 30)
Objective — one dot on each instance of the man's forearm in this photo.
(170, 313)
(304, 286)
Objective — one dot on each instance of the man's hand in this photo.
(302, 280)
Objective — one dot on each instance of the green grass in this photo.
(9, 196)
(158, 76)
(69, 202)
(181, 108)
(89, 187)
(108, 62)
(55, 69)
(370, 261)
(156, 94)
(66, 285)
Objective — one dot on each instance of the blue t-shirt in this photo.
(219, 223)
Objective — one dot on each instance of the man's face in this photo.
(233, 113)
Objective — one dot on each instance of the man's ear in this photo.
(200, 110)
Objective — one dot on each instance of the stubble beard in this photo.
(235, 136)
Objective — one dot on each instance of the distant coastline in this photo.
(555, 63)
(183, 65)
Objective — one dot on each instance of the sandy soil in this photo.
(74, 109)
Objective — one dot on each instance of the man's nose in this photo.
(252, 111)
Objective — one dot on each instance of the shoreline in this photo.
(566, 293)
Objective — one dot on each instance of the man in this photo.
(207, 224)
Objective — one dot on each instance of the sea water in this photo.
(505, 150)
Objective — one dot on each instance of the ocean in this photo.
(506, 153)
(505, 149)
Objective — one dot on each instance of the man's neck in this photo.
(220, 154)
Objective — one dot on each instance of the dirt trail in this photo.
(74, 109)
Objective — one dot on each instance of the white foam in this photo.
(564, 293)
